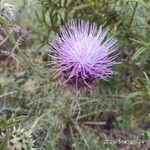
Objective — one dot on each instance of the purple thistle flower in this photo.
(82, 54)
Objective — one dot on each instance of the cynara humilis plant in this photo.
(20, 140)
(82, 52)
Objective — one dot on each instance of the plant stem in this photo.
(131, 20)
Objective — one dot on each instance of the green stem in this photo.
(131, 20)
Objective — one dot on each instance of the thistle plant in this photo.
(20, 139)
(82, 52)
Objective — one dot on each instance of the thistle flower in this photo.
(82, 53)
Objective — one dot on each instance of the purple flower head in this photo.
(82, 53)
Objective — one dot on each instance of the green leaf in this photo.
(148, 133)
(81, 7)
(141, 42)
(147, 83)
(138, 53)
(3, 141)
(147, 78)
(4, 122)
(134, 94)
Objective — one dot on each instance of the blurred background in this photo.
(37, 113)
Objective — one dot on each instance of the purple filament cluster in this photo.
(81, 53)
